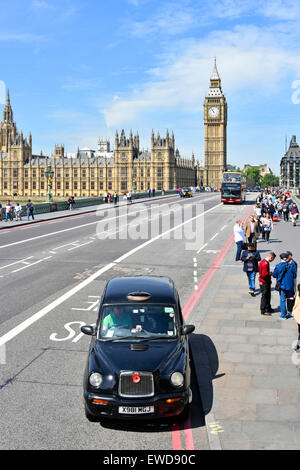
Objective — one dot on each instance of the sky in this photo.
(78, 70)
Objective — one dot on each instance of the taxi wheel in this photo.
(91, 418)
(185, 413)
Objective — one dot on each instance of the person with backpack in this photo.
(265, 282)
(18, 211)
(294, 214)
(296, 315)
(251, 258)
(30, 210)
(285, 273)
(8, 211)
(286, 211)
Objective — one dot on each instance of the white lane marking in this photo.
(212, 251)
(16, 262)
(215, 235)
(32, 264)
(67, 244)
(224, 226)
(37, 316)
(52, 252)
(203, 246)
(83, 225)
(78, 246)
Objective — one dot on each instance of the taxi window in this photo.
(138, 321)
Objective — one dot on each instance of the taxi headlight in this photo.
(177, 379)
(95, 379)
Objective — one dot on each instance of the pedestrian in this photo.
(267, 226)
(129, 197)
(30, 210)
(292, 261)
(239, 239)
(294, 214)
(0, 212)
(8, 211)
(153, 192)
(115, 198)
(265, 282)
(285, 273)
(251, 258)
(18, 211)
(286, 211)
(162, 192)
(279, 209)
(70, 202)
(149, 192)
(296, 315)
(252, 231)
(106, 196)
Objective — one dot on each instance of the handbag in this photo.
(278, 283)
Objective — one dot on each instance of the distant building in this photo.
(290, 166)
(90, 172)
(263, 169)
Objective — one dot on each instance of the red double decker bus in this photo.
(233, 188)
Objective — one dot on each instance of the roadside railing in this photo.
(45, 207)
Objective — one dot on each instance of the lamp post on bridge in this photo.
(49, 175)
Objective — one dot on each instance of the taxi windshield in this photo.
(137, 321)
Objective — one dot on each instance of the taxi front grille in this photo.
(128, 388)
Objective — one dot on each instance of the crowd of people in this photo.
(15, 211)
(270, 205)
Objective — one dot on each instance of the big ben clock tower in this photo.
(215, 126)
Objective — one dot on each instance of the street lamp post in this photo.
(49, 175)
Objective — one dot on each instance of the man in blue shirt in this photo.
(285, 272)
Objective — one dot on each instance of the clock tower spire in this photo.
(215, 130)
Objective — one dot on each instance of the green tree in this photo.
(269, 180)
(254, 175)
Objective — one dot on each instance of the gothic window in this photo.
(101, 185)
(15, 173)
(34, 173)
(75, 173)
(92, 174)
(58, 173)
(123, 172)
(42, 185)
(5, 173)
(84, 185)
(123, 185)
(67, 185)
(75, 184)
(83, 173)
(109, 185)
(58, 185)
(67, 173)
(101, 172)
(15, 155)
(123, 156)
(134, 173)
(26, 173)
(159, 156)
(109, 172)
(34, 185)
(42, 173)
(26, 184)
(142, 172)
(92, 185)
(159, 172)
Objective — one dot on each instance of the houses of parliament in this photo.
(127, 168)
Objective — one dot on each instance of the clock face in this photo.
(213, 112)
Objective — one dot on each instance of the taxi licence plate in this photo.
(135, 410)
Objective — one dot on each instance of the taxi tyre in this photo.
(185, 413)
(90, 417)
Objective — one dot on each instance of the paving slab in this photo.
(256, 388)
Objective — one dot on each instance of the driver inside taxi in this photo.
(117, 318)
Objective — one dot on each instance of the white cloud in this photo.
(249, 60)
(40, 4)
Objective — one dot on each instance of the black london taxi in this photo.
(138, 363)
(186, 192)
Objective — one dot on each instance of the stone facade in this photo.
(86, 175)
(290, 167)
(215, 132)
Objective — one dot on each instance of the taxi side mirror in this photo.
(88, 330)
(187, 329)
